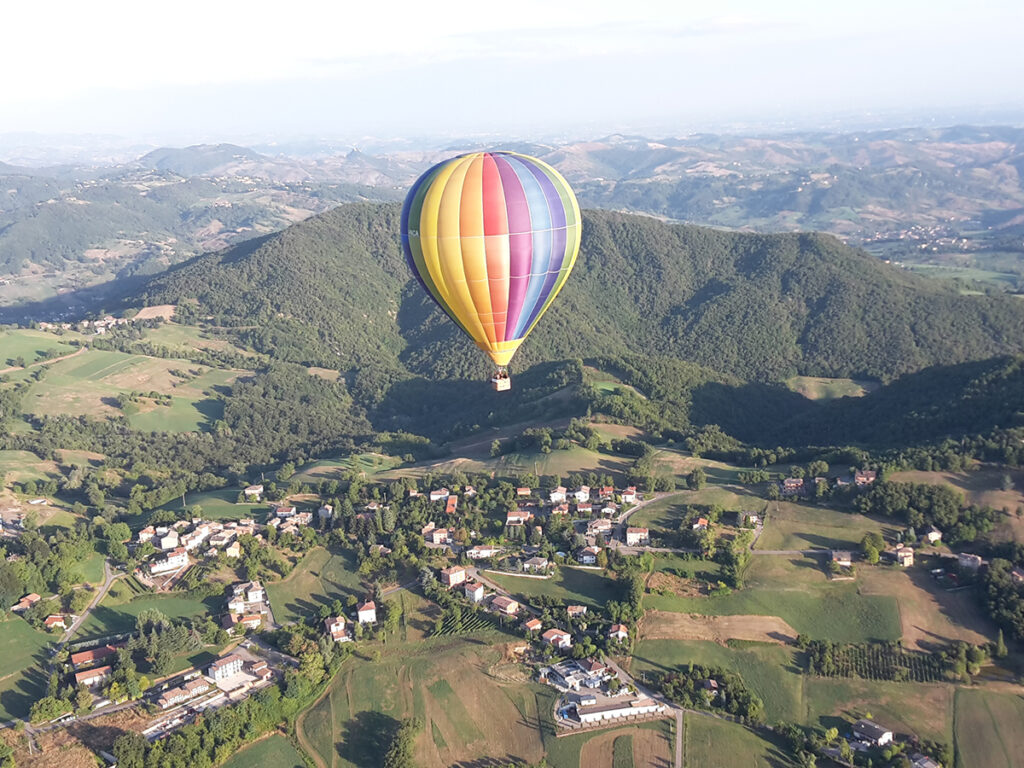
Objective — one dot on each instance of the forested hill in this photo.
(335, 291)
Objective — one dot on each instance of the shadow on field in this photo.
(31, 687)
(492, 762)
(366, 738)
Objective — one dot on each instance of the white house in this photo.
(93, 677)
(517, 517)
(618, 708)
(366, 612)
(225, 667)
(583, 494)
(557, 496)
(933, 535)
(168, 541)
(254, 492)
(588, 555)
(453, 576)
(629, 495)
(870, 731)
(558, 639)
(618, 632)
(482, 552)
(474, 591)
(637, 537)
(439, 495)
(172, 561)
(336, 628)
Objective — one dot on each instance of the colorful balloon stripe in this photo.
(492, 237)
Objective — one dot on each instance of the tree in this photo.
(871, 554)
(400, 753)
(697, 479)
(1000, 650)
(130, 750)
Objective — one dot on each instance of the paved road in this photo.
(109, 577)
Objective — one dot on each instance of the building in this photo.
(969, 562)
(93, 677)
(584, 508)
(792, 486)
(618, 632)
(439, 536)
(84, 659)
(523, 492)
(905, 557)
(337, 629)
(617, 708)
(872, 732)
(474, 591)
(588, 555)
(505, 605)
(917, 760)
(451, 505)
(557, 638)
(610, 509)
(54, 620)
(326, 512)
(225, 667)
(146, 534)
(254, 492)
(535, 564)
(532, 625)
(366, 612)
(518, 517)
(172, 561)
(867, 477)
(232, 621)
(185, 692)
(933, 535)
(583, 494)
(168, 541)
(250, 591)
(557, 496)
(700, 525)
(629, 495)
(234, 549)
(600, 526)
(637, 537)
(842, 558)
(26, 602)
(607, 493)
(575, 611)
(482, 552)
(439, 495)
(453, 576)
(1017, 575)
(560, 509)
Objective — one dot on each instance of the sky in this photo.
(226, 70)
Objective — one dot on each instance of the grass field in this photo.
(221, 505)
(988, 729)
(648, 745)
(89, 383)
(371, 464)
(21, 466)
(21, 680)
(573, 585)
(817, 388)
(351, 726)
(274, 751)
(924, 709)
(797, 591)
(119, 609)
(792, 526)
(318, 579)
(666, 514)
(189, 337)
(767, 669)
(712, 743)
(29, 344)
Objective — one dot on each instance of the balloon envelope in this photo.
(492, 237)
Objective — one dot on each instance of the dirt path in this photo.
(37, 363)
(300, 734)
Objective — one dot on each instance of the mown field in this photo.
(573, 585)
(21, 466)
(274, 751)
(28, 344)
(989, 729)
(713, 743)
(320, 577)
(222, 505)
(791, 526)
(818, 388)
(124, 602)
(798, 591)
(667, 514)
(21, 650)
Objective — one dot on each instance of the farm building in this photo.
(870, 731)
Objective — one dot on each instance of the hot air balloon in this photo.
(492, 237)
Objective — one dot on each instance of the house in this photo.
(523, 492)
(336, 628)
(557, 638)
(917, 760)
(588, 555)
(302, 518)
(842, 558)
(469, 492)
(366, 612)
(54, 620)
(618, 708)
(254, 492)
(1017, 575)
(933, 535)
(451, 505)
(575, 611)
(222, 539)
(637, 537)
(607, 492)
(700, 525)
(373, 506)
(474, 591)
(146, 534)
(453, 576)
(602, 525)
(872, 732)
(234, 549)
(93, 677)
(711, 685)
(584, 508)
(557, 495)
(225, 667)
(439, 536)
(183, 693)
(560, 509)
(482, 552)
(380, 549)
(172, 561)
(518, 517)
(413, 493)
(88, 658)
(260, 669)
(168, 541)
(969, 562)
(325, 512)
(583, 494)
(536, 564)
(618, 632)
(427, 528)
(751, 518)
(867, 477)
(629, 495)
(250, 591)
(26, 602)
(905, 557)
(610, 509)
(532, 625)
(792, 486)
(505, 605)
(248, 620)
